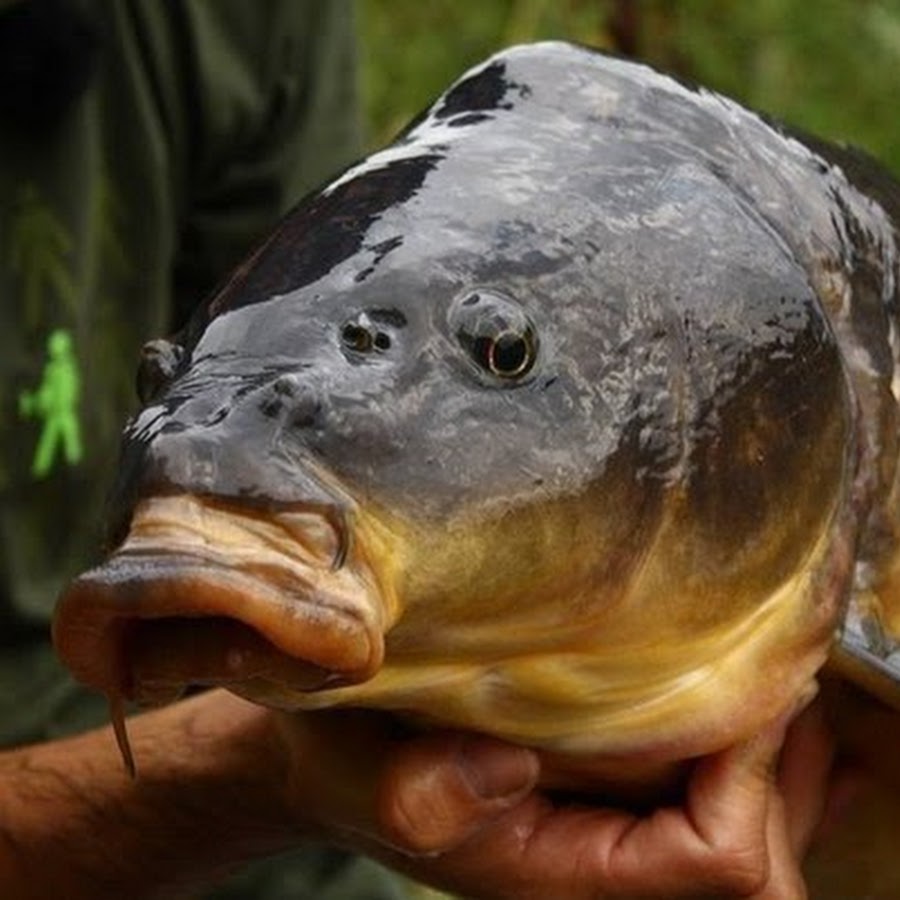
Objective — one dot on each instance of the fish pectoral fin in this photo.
(867, 653)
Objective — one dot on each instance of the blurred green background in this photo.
(831, 67)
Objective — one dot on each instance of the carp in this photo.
(571, 417)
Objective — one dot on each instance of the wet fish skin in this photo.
(683, 455)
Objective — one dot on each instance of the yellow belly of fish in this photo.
(633, 705)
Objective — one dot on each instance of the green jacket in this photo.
(144, 147)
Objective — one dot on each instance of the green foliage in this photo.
(38, 256)
(829, 67)
(412, 49)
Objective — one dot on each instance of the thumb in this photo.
(437, 791)
(354, 782)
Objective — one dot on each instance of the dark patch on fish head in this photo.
(329, 227)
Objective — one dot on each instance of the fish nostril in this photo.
(292, 399)
(286, 386)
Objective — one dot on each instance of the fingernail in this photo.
(496, 770)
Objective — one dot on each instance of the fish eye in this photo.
(496, 333)
(507, 356)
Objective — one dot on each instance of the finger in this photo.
(722, 831)
(436, 791)
(849, 787)
(866, 730)
(328, 781)
(421, 795)
(715, 845)
(804, 772)
(785, 879)
(796, 808)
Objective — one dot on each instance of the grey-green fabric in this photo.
(197, 124)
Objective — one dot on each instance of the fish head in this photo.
(532, 423)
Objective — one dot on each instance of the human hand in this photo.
(867, 736)
(855, 848)
(465, 813)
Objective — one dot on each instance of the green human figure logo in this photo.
(56, 402)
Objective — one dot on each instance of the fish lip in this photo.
(314, 606)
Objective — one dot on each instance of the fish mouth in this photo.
(203, 594)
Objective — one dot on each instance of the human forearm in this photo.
(207, 797)
(221, 781)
